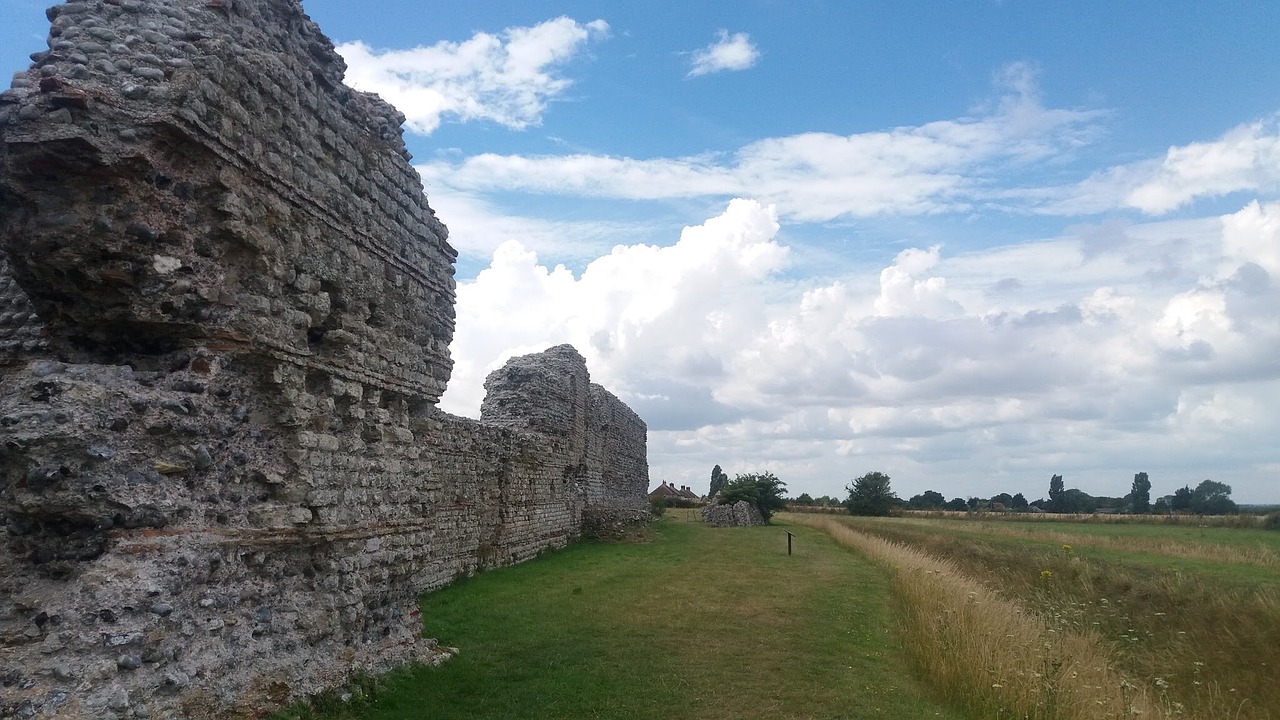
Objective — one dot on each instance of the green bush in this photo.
(763, 490)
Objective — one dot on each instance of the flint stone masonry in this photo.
(225, 313)
(741, 513)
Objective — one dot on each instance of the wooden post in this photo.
(789, 536)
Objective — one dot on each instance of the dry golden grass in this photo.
(985, 652)
(1202, 636)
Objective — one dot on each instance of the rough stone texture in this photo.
(21, 330)
(739, 513)
(225, 312)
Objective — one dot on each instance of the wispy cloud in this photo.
(728, 52)
(477, 227)
(1244, 159)
(815, 176)
(507, 78)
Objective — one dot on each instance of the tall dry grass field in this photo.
(1190, 614)
(983, 652)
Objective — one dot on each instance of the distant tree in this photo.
(1140, 495)
(1163, 506)
(927, 500)
(1056, 488)
(957, 504)
(763, 490)
(1018, 502)
(828, 501)
(1075, 501)
(1213, 498)
(973, 503)
(804, 499)
(718, 479)
(871, 495)
(1181, 498)
(1004, 499)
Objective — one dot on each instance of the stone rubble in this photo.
(741, 513)
(225, 318)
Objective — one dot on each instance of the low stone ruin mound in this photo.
(741, 513)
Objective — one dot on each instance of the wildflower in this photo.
(1046, 574)
(1066, 550)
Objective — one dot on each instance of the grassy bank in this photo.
(700, 623)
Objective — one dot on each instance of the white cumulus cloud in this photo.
(507, 78)
(728, 52)
(1253, 235)
(1094, 365)
(625, 308)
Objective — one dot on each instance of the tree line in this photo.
(871, 494)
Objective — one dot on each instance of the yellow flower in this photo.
(1046, 574)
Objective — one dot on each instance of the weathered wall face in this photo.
(227, 185)
(225, 312)
(551, 393)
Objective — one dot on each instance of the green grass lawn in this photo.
(1172, 532)
(700, 623)
(1235, 566)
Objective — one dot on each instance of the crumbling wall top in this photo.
(545, 392)
(188, 171)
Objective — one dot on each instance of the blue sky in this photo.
(970, 245)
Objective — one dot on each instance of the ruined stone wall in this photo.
(617, 477)
(552, 394)
(225, 312)
(741, 513)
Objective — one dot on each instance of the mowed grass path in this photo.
(700, 623)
